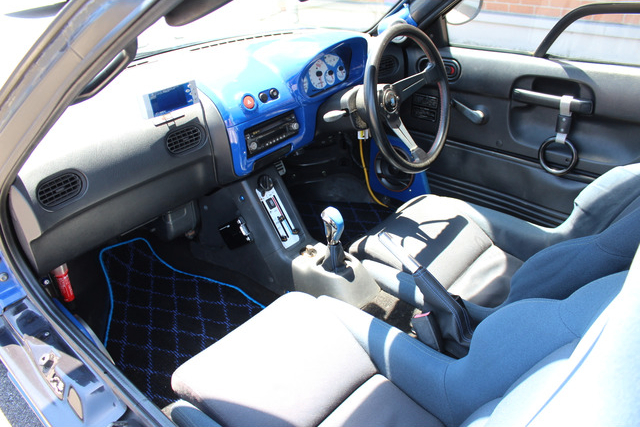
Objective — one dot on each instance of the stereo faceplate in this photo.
(267, 134)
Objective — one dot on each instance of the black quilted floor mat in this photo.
(359, 218)
(160, 317)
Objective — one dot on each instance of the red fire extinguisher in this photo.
(61, 274)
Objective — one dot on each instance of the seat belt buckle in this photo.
(427, 330)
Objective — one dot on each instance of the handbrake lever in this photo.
(409, 262)
(449, 311)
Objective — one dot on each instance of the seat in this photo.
(475, 252)
(321, 362)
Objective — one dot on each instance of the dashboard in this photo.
(172, 128)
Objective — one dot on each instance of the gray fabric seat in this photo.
(475, 252)
(320, 362)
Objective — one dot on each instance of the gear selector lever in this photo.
(333, 227)
(328, 270)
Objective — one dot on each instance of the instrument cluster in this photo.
(325, 72)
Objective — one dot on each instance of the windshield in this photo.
(22, 22)
(243, 17)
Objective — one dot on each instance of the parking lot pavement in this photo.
(14, 410)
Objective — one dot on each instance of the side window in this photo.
(520, 26)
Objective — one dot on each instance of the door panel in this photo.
(496, 164)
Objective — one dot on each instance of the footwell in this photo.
(160, 316)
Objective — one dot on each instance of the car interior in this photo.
(330, 227)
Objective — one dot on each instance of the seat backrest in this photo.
(516, 338)
(504, 347)
(603, 202)
(595, 383)
(559, 270)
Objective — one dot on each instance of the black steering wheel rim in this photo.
(382, 104)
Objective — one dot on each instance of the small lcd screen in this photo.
(167, 100)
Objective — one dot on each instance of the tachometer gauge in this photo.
(316, 74)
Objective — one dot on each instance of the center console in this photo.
(252, 226)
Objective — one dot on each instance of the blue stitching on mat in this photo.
(106, 336)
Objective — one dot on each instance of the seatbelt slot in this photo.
(426, 328)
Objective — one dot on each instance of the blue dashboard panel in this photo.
(264, 79)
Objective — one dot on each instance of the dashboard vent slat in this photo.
(184, 139)
(55, 191)
(388, 66)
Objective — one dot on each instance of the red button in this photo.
(249, 102)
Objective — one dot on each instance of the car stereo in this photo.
(267, 134)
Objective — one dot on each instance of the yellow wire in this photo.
(366, 175)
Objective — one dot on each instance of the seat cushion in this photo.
(450, 245)
(292, 348)
(378, 402)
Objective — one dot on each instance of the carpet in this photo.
(160, 317)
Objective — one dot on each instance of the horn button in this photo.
(390, 101)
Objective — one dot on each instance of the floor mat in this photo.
(359, 218)
(160, 316)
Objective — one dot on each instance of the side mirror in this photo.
(464, 12)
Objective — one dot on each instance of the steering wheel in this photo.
(382, 102)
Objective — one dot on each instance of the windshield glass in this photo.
(244, 17)
(22, 22)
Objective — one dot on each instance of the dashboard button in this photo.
(274, 94)
(249, 102)
(262, 96)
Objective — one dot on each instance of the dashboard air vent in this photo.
(184, 139)
(55, 191)
(388, 66)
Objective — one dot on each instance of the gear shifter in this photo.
(328, 270)
(333, 227)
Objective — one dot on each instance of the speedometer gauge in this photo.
(317, 74)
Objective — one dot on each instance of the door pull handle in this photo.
(581, 106)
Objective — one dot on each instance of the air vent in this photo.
(184, 139)
(388, 66)
(55, 191)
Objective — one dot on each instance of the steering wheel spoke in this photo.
(406, 87)
(403, 134)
